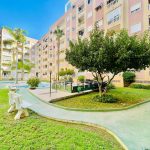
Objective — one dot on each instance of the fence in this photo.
(73, 88)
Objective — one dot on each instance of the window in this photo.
(89, 1)
(149, 22)
(136, 28)
(73, 6)
(99, 7)
(89, 14)
(81, 8)
(111, 2)
(148, 4)
(99, 23)
(114, 15)
(73, 29)
(135, 8)
(81, 32)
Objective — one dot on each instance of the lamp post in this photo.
(50, 81)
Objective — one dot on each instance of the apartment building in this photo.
(7, 54)
(79, 19)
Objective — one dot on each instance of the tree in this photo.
(18, 38)
(59, 33)
(26, 65)
(0, 54)
(66, 73)
(106, 55)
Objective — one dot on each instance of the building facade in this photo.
(8, 55)
(79, 20)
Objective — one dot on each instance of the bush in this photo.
(128, 77)
(140, 86)
(105, 99)
(110, 86)
(33, 82)
(81, 78)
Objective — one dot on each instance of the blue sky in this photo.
(34, 16)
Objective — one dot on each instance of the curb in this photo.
(91, 110)
(91, 125)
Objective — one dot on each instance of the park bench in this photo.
(18, 104)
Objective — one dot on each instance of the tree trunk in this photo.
(1, 44)
(58, 46)
(22, 69)
(17, 64)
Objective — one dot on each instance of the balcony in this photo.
(81, 21)
(81, 33)
(81, 9)
(115, 19)
(111, 2)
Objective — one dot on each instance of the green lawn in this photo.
(38, 133)
(126, 96)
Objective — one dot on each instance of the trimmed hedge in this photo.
(128, 77)
(140, 86)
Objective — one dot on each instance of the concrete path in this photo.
(44, 94)
(131, 126)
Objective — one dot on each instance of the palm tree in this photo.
(0, 53)
(23, 40)
(18, 38)
(59, 33)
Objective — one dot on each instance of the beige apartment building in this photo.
(79, 19)
(6, 54)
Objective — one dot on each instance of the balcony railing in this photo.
(115, 19)
(111, 2)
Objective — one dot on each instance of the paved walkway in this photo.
(44, 94)
(131, 126)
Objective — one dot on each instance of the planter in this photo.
(32, 88)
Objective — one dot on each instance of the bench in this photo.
(17, 103)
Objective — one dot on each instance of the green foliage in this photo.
(27, 65)
(105, 98)
(128, 77)
(66, 72)
(140, 86)
(113, 53)
(33, 82)
(18, 34)
(81, 78)
(59, 33)
(110, 86)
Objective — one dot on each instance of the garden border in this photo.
(90, 125)
(89, 110)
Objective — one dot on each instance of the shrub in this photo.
(33, 82)
(81, 78)
(110, 86)
(140, 86)
(128, 77)
(105, 99)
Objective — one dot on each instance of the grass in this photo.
(126, 96)
(38, 133)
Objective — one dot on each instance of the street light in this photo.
(50, 83)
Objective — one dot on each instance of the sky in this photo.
(34, 16)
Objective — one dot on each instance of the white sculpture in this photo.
(11, 102)
(20, 106)
(16, 103)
